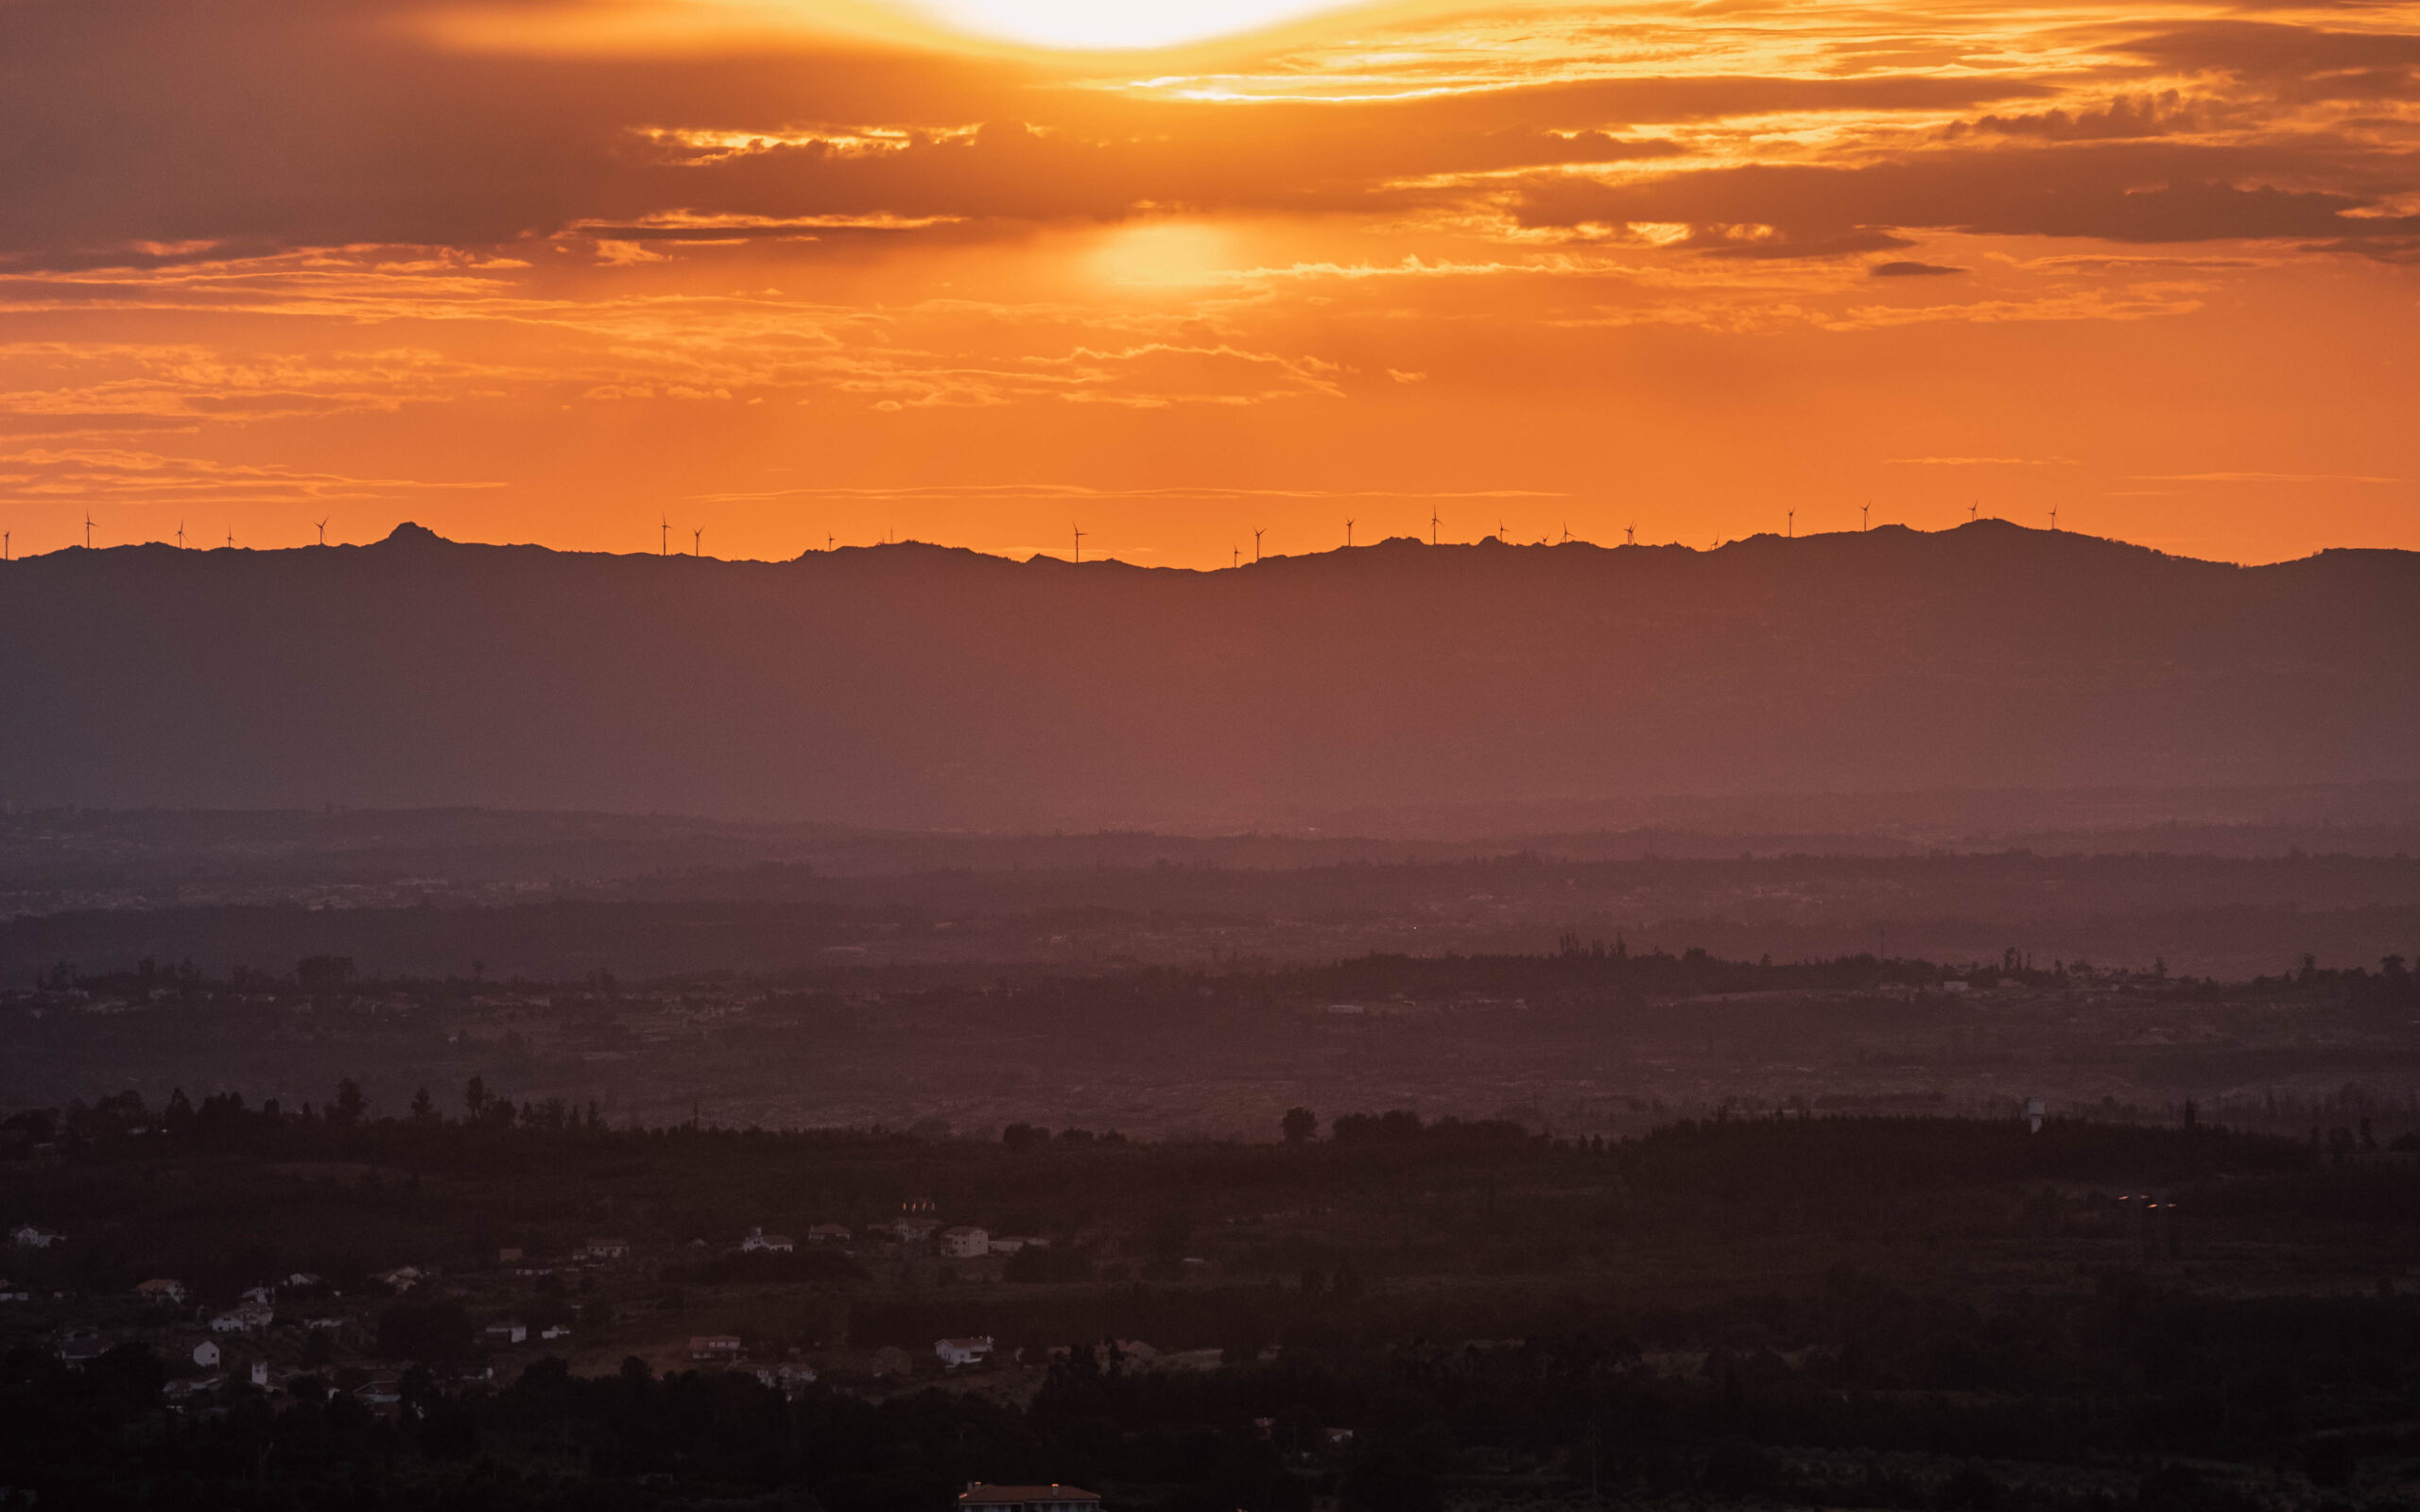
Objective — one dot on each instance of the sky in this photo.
(757, 276)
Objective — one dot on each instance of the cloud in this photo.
(1978, 462)
(1907, 270)
(100, 476)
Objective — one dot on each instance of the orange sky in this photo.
(788, 270)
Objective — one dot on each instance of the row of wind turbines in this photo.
(697, 535)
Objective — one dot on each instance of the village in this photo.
(598, 1306)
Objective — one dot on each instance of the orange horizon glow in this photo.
(788, 272)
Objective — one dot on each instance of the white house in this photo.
(244, 1319)
(508, 1332)
(966, 1243)
(260, 1372)
(30, 1237)
(263, 1294)
(963, 1351)
(714, 1346)
(758, 1239)
(606, 1248)
(205, 1354)
(983, 1498)
(828, 1234)
(555, 1331)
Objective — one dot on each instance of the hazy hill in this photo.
(920, 685)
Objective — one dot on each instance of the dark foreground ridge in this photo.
(929, 686)
(1916, 1315)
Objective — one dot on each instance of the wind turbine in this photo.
(1790, 529)
(1256, 543)
(698, 542)
(1630, 535)
(1567, 530)
(181, 535)
(88, 530)
(4, 547)
(1432, 524)
(2054, 517)
(1970, 511)
(1348, 535)
(1865, 517)
(1503, 537)
(323, 532)
(1079, 542)
(828, 539)
(664, 534)
(230, 538)
(1234, 555)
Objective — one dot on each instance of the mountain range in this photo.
(920, 685)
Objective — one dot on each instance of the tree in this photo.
(349, 1106)
(423, 1110)
(1298, 1125)
(475, 1097)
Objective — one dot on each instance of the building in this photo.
(160, 1289)
(966, 1243)
(828, 1234)
(758, 1239)
(401, 1279)
(1051, 1498)
(205, 1354)
(607, 1248)
(724, 1347)
(963, 1351)
(507, 1333)
(244, 1319)
(30, 1237)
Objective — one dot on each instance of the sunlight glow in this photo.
(1117, 23)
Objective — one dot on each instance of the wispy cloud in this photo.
(129, 477)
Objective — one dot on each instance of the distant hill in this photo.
(920, 685)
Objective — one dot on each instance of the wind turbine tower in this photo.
(1630, 535)
(1256, 543)
(88, 530)
(1432, 524)
(181, 535)
(1079, 542)
(1865, 517)
(698, 542)
(2054, 518)
(664, 534)
(323, 532)
(1348, 535)
(1790, 529)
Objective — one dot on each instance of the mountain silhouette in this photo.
(922, 685)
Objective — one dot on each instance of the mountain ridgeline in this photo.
(922, 685)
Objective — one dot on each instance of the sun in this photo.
(1115, 24)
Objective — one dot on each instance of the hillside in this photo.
(922, 685)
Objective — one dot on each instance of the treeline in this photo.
(2130, 1399)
